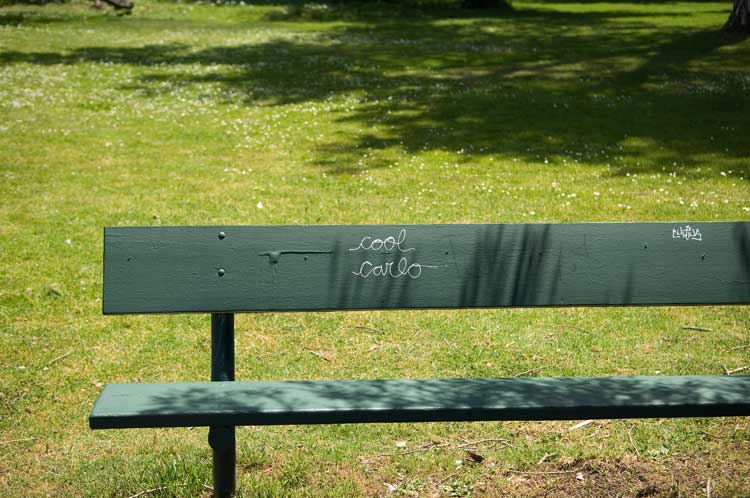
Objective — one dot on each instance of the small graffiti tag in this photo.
(687, 233)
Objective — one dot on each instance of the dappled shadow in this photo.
(8, 3)
(30, 18)
(689, 45)
(340, 402)
(538, 85)
(512, 264)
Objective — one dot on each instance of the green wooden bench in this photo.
(223, 270)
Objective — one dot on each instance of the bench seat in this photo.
(188, 404)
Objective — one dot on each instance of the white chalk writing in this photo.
(388, 243)
(389, 269)
(687, 232)
(403, 268)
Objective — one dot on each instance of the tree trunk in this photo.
(739, 19)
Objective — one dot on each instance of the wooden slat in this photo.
(335, 402)
(283, 268)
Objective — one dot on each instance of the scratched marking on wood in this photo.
(285, 268)
(401, 267)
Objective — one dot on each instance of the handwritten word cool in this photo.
(388, 243)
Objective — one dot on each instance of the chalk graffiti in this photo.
(389, 269)
(403, 268)
(687, 232)
(388, 243)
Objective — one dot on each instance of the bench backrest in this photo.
(289, 268)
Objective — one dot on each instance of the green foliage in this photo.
(457, 489)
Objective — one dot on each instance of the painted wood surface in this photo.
(337, 402)
(286, 268)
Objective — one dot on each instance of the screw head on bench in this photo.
(221, 272)
(222, 235)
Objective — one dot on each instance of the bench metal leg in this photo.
(222, 439)
(222, 443)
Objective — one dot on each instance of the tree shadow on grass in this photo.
(535, 85)
(31, 18)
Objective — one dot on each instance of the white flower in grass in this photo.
(259, 205)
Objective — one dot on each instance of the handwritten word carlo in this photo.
(392, 269)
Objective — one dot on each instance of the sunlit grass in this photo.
(191, 113)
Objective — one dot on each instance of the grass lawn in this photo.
(291, 113)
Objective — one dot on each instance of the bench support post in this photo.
(222, 439)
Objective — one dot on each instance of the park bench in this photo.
(223, 270)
